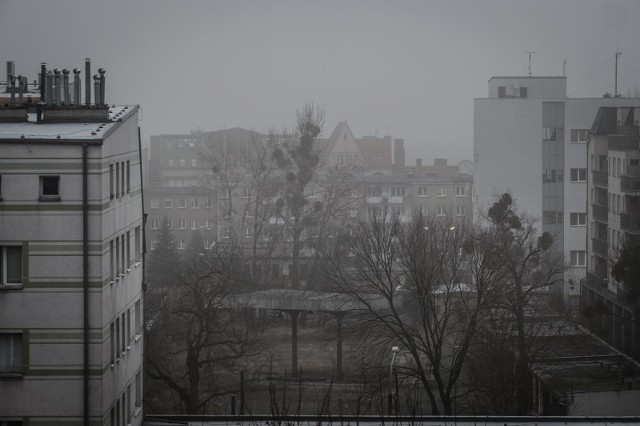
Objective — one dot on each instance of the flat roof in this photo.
(65, 131)
(526, 76)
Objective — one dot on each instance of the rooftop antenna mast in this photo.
(530, 52)
(618, 54)
(564, 68)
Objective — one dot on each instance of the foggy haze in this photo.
(410, 69)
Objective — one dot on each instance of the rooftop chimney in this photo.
(87, 82)
(398, 153)
(77, 86)
(101, 71)
(11, 70)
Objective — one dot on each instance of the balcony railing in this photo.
(600, 247)
(600, 178)
(600, 213)
(630, 222)
(624, 142)
(630, 184)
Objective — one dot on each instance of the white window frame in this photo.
(461, 191)
(580, 219)
(182, 203)
(441, 211)
(580, 174)
(422, 191)
(578, 258)
(168, 204)
(460, 211)
(442, 191)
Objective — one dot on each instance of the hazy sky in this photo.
(406, 68)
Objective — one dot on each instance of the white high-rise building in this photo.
(530, 139)
(71, 233)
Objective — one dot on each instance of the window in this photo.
(208, 203)
(375, 191)
(138, 389)
(117, 244)
(111, 194)
(10, 353)
(170, 162)
(440, 211)
(10, 265)
(460, 211)
(123, 344)
(128, 176)
(578, 135)
(424, 210)
(523, 92)
(182, 224)
(502, 91)
(169, 223)
(194, 224)
(461, 191)
(442, 192)
(117, 180)
(155, 223)
(168, 204)
(397, 191)
(182, 203)
(578, 219)
(248, 232)
(111, 261)
(137, 248)
(112, 344)
(128, 245)
(183, 163)
(422, 191)
(181, 245)
(49, 188)
(194, 203)
(137, 318)
(193, 162)
(578, 258)
(549, 134)
(122, 182)
(117, 346)
(578, 175)
(155, 204)
(549, 217)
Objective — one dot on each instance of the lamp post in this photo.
(394, 352)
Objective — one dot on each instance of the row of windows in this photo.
(122, 411)
(556, 175)
(121, 338)
(377, 211)
(183, 144)
(49, 188)
(119, 179)
(182, 163)
(181, 203)
(395, 191)
(120, 259)
(180, 183)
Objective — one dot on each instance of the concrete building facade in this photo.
(530, 139)
(71, 244)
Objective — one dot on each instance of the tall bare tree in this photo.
(435, 288)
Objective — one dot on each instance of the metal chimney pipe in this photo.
(58, 82)
(10, 72)
(65, 85)
(101, 71)
(21, 88)
(96, 85)
(49, 90)
(43, 76)
(87, 83)
(76, 86)
(12, 79)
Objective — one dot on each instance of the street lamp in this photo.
(394, 352)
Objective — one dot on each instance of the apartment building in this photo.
(71, 234)
(531, 139)
(613, 218)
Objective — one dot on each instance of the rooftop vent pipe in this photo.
(87, 83)
(49, 90)
(96, 85)
(43, 76)
(101, 71)
(11, 79)
(57, 97)
(10, 72)
(22, 87)
(65, 84)
(76, 86)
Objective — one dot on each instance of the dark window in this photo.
(111, 194)
(10, 353)
(578, 175)
(50, 188)
(502, 92)
(128, 176)
(10, 265)
(523, 92)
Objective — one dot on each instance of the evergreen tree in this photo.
(164, 261)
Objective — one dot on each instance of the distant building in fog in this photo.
(183, 186)
(530, 139)
(71, 238)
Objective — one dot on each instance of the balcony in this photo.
(600, 247)
(600, 213)
(395, 200)
(374, 200)
(630, 184)
(624, 142)
(600, 178)
(595, 282)
(630, 222)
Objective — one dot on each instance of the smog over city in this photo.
(305, 211)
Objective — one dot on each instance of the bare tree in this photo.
(435, 288)
(529, 265)
(196, 339)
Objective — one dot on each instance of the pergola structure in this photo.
(295, 301)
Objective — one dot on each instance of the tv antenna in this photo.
(618, 54)
(530, 52)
